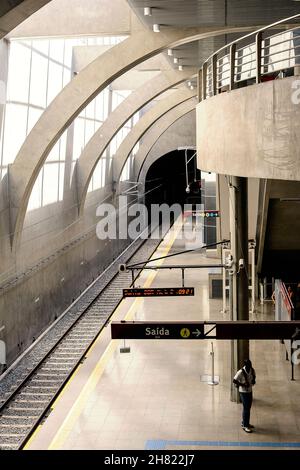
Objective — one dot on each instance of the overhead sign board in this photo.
(159, 292)
(152, 330)
(205, 330)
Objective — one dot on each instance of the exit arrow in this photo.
(196, 333)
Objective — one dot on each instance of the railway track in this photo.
(30, 402)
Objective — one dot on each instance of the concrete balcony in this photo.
(252, 131)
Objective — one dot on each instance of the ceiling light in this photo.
(147, 11)
(290, 199)
(175, 60)
(189, 83)
(170, 52)
(156, 28)
(180, 67)
(192, 87)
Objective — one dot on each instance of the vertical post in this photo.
(232, 52)
(239, 249)
(261, 291)
(265, 288)
(212, 381)
(132, 277)
(224, 280)
(204, 80)
(182, 276)
(258, 41)
(242, 253)
(212, 363)
(214, 74)
(199, 85)
(186, 169)
(253, 280)
(292, 363)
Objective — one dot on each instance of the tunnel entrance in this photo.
(169, 180)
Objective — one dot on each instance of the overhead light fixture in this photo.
(175, 60)
(290, 199)
(147, 11)
(192, 87)
(170, 52)
(156, 28)
(180, 67)
(189, 83)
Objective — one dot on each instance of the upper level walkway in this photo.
(248, 122)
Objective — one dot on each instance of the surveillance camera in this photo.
(187, 189)
(122, 268)
(241, 264)
(229, 261)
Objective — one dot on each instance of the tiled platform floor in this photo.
(153, 396)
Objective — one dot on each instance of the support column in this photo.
(239, 305)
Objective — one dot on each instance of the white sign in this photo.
(2, 352)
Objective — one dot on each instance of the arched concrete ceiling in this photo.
(95, 147)
(73, 99)
(157, 131)
(182, 133)
(14, 12)
(147, 121)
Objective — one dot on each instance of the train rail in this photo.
(30, 401)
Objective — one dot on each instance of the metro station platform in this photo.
(153, 397)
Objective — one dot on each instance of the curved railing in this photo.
(243, 62)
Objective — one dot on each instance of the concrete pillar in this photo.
(238, 193)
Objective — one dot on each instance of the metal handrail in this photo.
(228, 66)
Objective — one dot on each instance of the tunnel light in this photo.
(192, 87)
(170, 52)
(147, 11)
(189, 83)
(156, 28)
(186, 148)
(180, 67)
(175, 60)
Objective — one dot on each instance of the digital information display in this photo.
(159, 292)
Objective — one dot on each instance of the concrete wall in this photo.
(88, 17)
(252, 131)
(57, 267)
(253, 191)
(278, 229)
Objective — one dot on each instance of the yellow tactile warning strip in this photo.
(77, 408)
